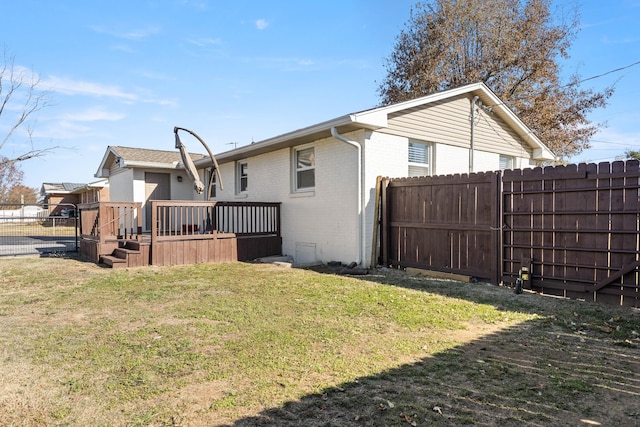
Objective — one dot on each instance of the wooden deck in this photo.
(182, 232)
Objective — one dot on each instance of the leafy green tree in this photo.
(514, 46)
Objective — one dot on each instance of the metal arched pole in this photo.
(213, 158)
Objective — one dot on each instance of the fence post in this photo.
(384, 234)
(496, 235)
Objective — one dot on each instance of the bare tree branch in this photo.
(20, 91)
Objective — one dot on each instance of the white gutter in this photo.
(154, 165)
(360, 216)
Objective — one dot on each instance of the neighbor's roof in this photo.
(141, 157)
(69, 187)
(376, 118)
(60, 187)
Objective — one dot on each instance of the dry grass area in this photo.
(244, 344)
(47, 228)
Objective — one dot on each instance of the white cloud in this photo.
(77, 87)
(623, 40)
(132, 34)
(162, 102)
(285, 63)
(122, 48)
(153, 75)
(205, 41)
(198, 5)
(93, 114)
(261, 24)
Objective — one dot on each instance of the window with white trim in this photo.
(419, 159)
(305, 169)
(506, 162)
(213, 180)
(242, 177)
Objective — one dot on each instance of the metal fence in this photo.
(32, 230)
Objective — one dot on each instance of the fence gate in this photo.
(38, 230)
(442, 223)
(577, 229)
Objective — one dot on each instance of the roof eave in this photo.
(543, 154)
(103, 171)
(366, 120)
(151, 165)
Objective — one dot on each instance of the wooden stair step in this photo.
(124, 252)
(131, 245)
(113, 261)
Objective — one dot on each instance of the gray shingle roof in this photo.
(152, 156)
(60, 187)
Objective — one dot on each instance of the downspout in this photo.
(360, 216)
(473, 125)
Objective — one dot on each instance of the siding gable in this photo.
(448, 122)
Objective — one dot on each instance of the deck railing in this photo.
(173, 219)
(103, 221)
(186, 232)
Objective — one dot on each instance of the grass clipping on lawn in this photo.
(245, 344)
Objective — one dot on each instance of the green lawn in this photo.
(260, 344)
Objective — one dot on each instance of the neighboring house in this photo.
(60, 196)
(139, 175)
(325, 175)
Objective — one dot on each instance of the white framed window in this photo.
(242, 177)
(419, 158)
(304, 161)
(213, 179)
(506, 162)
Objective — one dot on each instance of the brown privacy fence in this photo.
(574, 227)
(444, 223)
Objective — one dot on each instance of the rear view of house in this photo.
(325, 175)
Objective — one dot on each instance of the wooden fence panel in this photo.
(576, 226)
(443, 223)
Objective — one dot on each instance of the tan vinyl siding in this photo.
(114, 168)
(448, 122)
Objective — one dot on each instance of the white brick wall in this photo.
(450, 160)
(323, 225)
(320, 224)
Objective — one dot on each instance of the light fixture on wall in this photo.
(179, 178)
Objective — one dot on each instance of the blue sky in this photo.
(127, 72)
